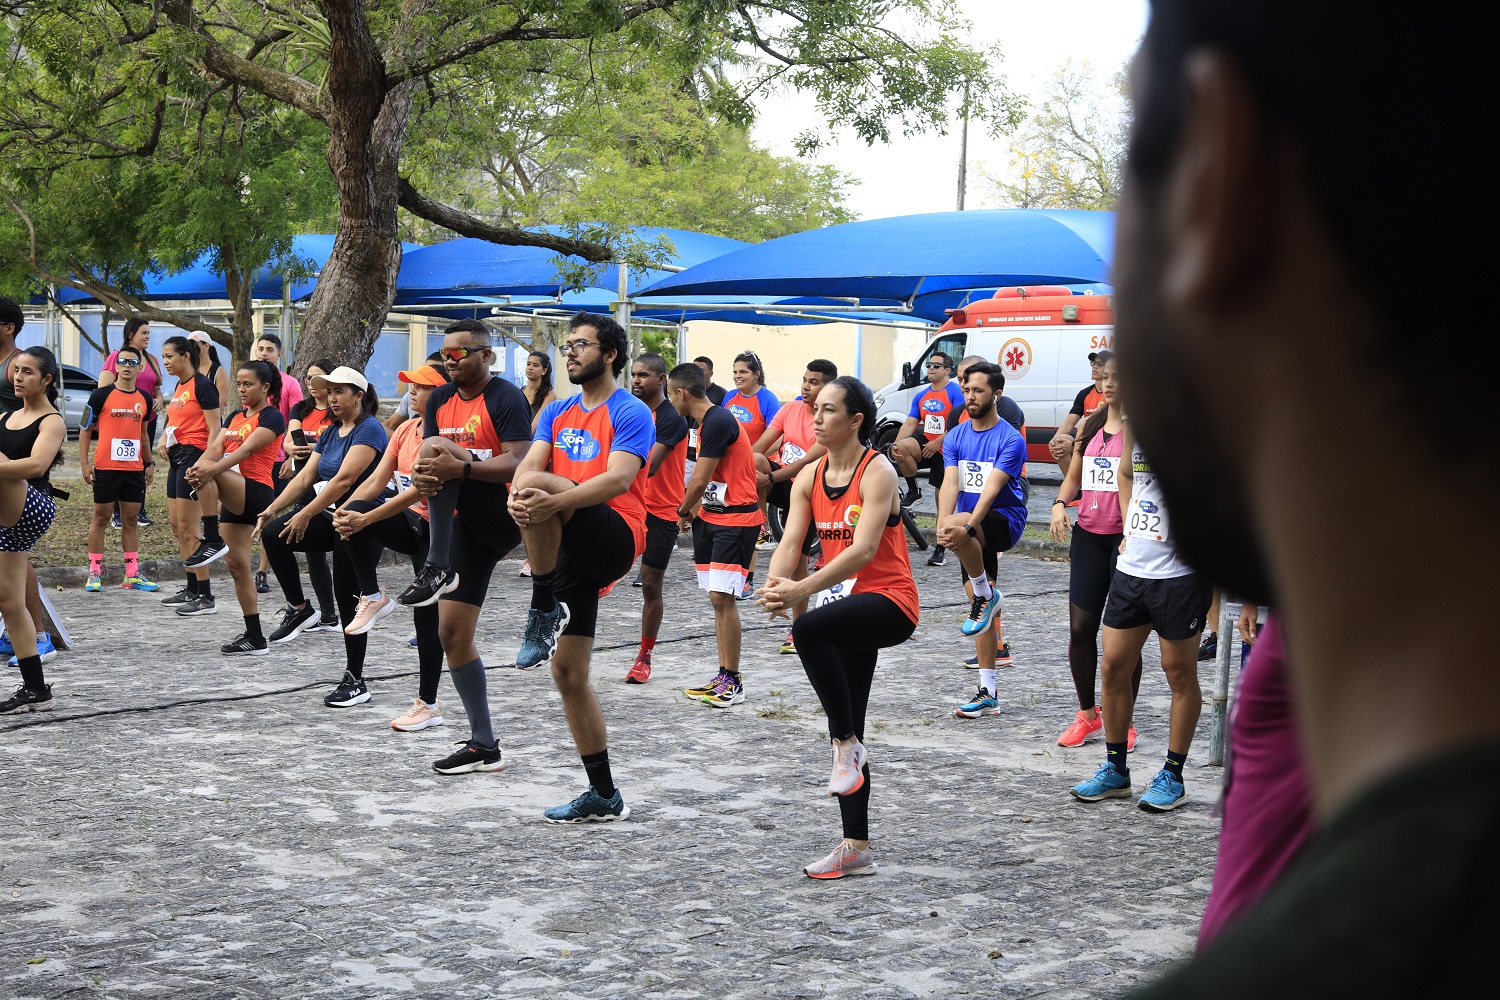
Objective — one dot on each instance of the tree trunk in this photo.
(367, 128)
(242, 320)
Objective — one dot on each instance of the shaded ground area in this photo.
(189, 825)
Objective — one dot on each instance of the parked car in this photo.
(76, 388)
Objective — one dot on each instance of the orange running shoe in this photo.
(1083, 729)
(640, 673)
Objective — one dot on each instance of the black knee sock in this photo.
(211, 531)
(252, 628)
(440, 508)
(542, 597)
(34, 679)
(205, 588)
(911, 485)
(854, 810)
(192, 584)
(597, 766)
(1115, 754)
(1174, 763)
(469, 681)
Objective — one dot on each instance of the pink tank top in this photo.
(1099, 499)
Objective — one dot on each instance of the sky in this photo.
(920, 174)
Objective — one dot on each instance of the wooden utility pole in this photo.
(963, 151)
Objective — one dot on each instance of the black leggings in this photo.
(405, 533)
(1092, 567)
(838, 644)
(319, 539)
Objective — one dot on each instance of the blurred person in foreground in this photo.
(1267, 229)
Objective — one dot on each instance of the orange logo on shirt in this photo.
(851, 516)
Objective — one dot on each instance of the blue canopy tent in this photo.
(478, 267)
(893, 261)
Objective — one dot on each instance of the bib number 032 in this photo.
(1146, 520)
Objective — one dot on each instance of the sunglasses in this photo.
(457, 354)
(128, 362)
(936, 364)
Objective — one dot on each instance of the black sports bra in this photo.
(18, 442)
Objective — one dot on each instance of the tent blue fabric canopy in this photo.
(888, 261)
(200, 282)
(478, 267)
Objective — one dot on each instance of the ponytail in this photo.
(268, 376)
(183, 345)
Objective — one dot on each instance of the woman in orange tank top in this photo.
(867, 600)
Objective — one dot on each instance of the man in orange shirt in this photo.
(664, 491)
(120, 471)
(722, 509)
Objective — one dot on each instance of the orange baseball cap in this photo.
(426, 375)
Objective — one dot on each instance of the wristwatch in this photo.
(970, 529)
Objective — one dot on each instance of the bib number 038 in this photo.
(125, 449)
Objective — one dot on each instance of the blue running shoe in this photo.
(983, 703)
(590, 807)
(981, 614)
(1107, 783)
(44, 648)
(540, 641)
(1165, 793)
(6, 649)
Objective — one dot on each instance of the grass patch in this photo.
(66, 543)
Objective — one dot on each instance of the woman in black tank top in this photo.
(31, 440)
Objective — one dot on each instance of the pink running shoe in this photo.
(1130, 741)
(1082, 730)
(420, 716)
(845, 860)
(368, 613)
(848, 768)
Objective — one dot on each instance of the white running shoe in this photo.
(848, 768)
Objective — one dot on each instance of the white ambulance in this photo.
(1040, 336)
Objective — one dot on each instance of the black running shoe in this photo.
(206, 553)
(433, 582)
(911, 496)
(262, 585)
(939, 556)
(243, 645)
(350, 692)
(143, 521)
(183, 596)
(27, 700)
(114, 522)
(472, 757)
(325, 624)
(199, 605)
(294, 621)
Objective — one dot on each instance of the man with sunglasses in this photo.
(476, 430)
(919, 444)
(579, 498)
(120, 471)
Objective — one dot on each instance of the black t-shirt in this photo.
(1397, 897)
(670, 427)
(509, 411)
(1010, 411)
(716, 394)
(719, 431)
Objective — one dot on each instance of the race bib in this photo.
(482, 454)
(837, 592)
(169, 438)
(693, 438)
(791, 453)
(125, 449)
(1147, 519)
(402, 482)
(1101, 475)
(714, 495)
(934, 424)
(975, 475)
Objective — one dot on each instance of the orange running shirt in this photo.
(835, 517)
(119, 421)
(730, 497)
(185, 410)
(664, 490)
(237, 430)
(583, 439)
(406, 444)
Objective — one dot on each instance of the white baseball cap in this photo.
(342, 375)
(201, 336)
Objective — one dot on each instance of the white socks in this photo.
(981, 585)
(987, 680)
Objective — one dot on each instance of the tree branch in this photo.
(464, 224)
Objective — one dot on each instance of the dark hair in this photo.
(690, 377)
(1094, 423)
(133, 324)
(325, 365)
(655, 362)
(858, 401)
(307, 405)
(1307, 66)
(470, 326)
(213, 358)
(370, 401)
(546, 384)
(612, 337)
(126, 347)
(10, 312)
(437, 357)
(990, 369)
(182, 345)
(268, 376)
(825, 368)
(704, 359)
(947, 358)
(270, 337)
(752, 361)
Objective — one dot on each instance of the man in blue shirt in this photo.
(982, 512)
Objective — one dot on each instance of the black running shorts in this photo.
(1176, 608)
(181, 457)
(661, 539)
(1092, 568)
(483, 534)
(124, 485)
(597, 549)
(258, 497)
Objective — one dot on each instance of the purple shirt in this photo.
(1267, 805)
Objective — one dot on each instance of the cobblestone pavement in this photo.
(185, 825)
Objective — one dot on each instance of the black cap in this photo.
(1100, 356)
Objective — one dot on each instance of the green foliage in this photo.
(663, 341)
